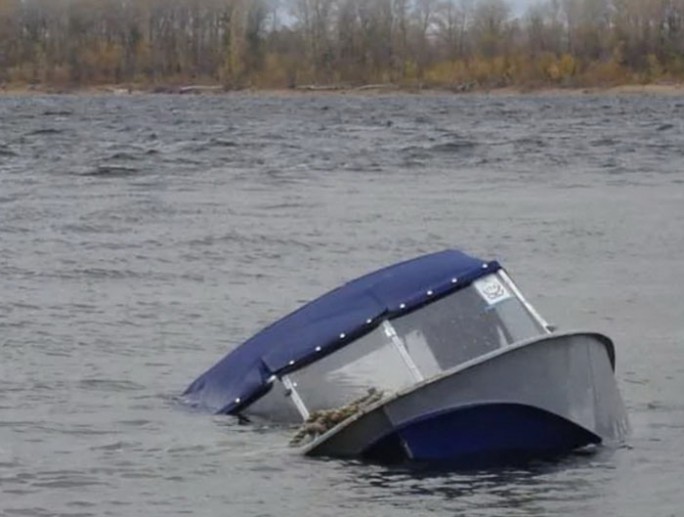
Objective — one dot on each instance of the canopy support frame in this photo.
(399, 344)
(293, 394)
(511, 285)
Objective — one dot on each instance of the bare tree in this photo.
(237, 43)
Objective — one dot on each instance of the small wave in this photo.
(530, 141)
(109, 385)
(89, 227)
(601, 142)
(114, 446)
(112, 171)
(186, 160)
(58, 113)
(6, 151)
(75, 481)
(123, 156)
(665, 127)
(219, 142)
(44, 131)
(208, 145)
(249, 239)
(453, 147)
(413, 162)
(414, 150)
(99, 273)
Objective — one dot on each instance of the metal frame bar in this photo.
(511, 285)
(294, 395)
(398, 343)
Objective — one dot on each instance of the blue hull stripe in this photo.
(493, 433)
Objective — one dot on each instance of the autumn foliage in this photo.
(454, 44)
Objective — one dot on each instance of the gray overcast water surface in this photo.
(143, 237)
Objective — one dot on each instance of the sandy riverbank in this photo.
(664, 89)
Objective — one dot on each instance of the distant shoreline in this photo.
(665, 89)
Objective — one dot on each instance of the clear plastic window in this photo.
(467, 324)
(348, 374)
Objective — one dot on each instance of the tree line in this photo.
(458, 44)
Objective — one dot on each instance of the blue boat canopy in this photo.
(330, 322)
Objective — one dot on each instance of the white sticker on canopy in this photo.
(491, 289)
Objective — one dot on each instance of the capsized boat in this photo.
(439, 358)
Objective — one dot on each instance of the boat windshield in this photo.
(466, 324)
(371, 363)
(469, 323)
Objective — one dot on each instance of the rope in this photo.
(321, 421)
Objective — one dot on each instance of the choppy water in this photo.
(142, 237)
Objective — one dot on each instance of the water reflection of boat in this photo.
(460, 367)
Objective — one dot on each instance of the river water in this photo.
(142, 237)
